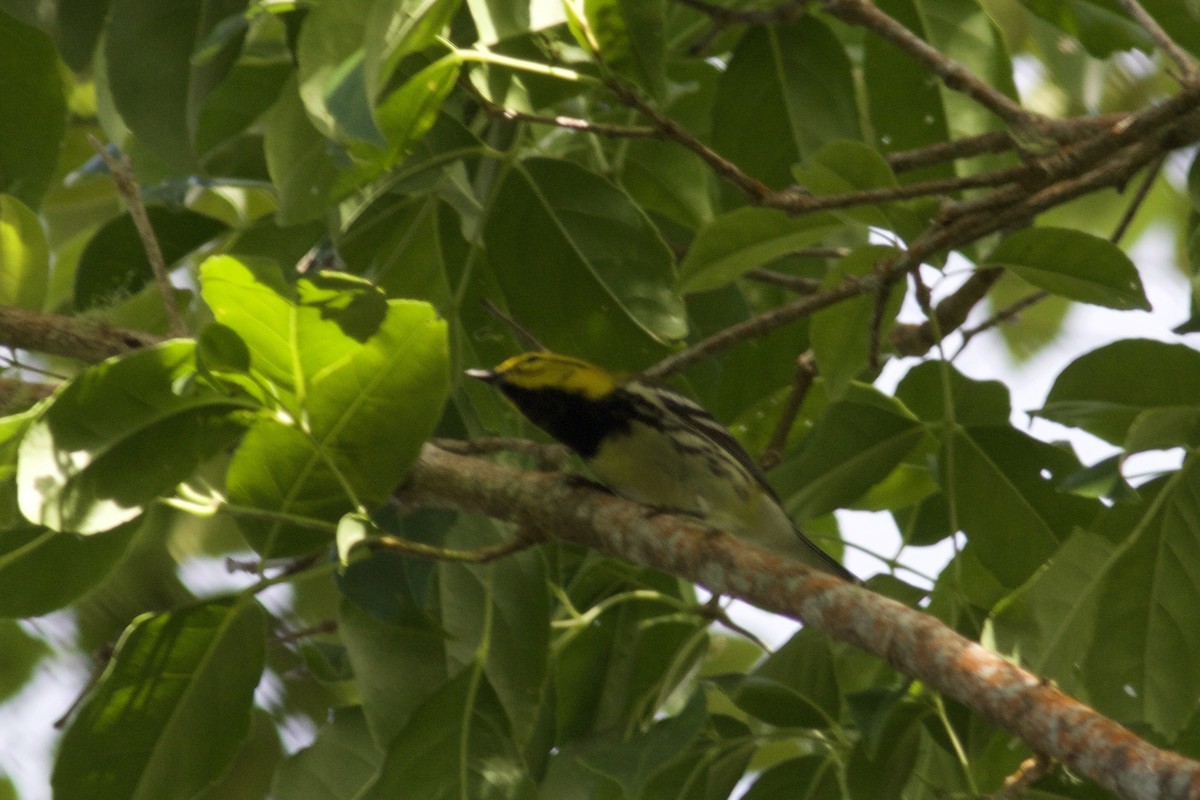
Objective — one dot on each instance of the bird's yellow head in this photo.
(540, 370)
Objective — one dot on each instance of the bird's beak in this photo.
(485, 375)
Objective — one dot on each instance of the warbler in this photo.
(654, 446)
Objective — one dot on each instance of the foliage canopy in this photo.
(739, 199)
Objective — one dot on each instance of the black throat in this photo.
(571, 418)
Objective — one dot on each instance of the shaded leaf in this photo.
(24, 256)
(29, 138)
(119, 435)
(1105, 390)
(1074, 265)
(176, 679)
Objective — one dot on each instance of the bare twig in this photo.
(754, 189)
(950, 314)
(758, 326)
(955, 75)
(560, 121)
(991, 142)
(806, 373)
(129, 190)
(1000, 317)
(1136, 201)
(480, 555)
(1188, 72)
(793, 282)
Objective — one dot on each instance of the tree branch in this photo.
(73, 337)
(920, 646)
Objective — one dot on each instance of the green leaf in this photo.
(509, 602)
(628, 35)
(369, 378)
(906, 109)
(746, 238)
(24, 256)
(787, 85)
(19, 655)
(795, 687)
(114, 264)
(809, 777)
(1074, 265)
(1050, 621)
(1143, 665)
(1004, 484)
(633, 762)
(845, 166)
(393, 32)
(408, 113)
(154, 84)
(841, 335)
(42, 570)
(301, 168)
(879, 766)
(336, 766)
(1101, 29)
(604, 275)
(852, 447)
(119, 435)
(176, 679)
(30, 136)
(1105, 390)
(975, 402)
(456, 745)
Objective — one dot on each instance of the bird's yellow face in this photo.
(534, 371)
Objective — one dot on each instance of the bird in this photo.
(652, 445)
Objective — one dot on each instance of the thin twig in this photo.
(1000, 317)
(754, 189)
(1188, 72)
(560, 121)
(758, 326)
(806, 373)
(954, 74)
(127, 187)
(1135, 203)
(520, 330)
(950, 314)
(792, 282)
(967, 147)
(481, 555)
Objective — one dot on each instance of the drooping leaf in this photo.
(1074, 265)
(581, 265)
(119, 435)
(31, 136)
(790, 85)
(851, 447)
(746, 238)
(177, 679)
(336, 766)
(457, 744)
(24, 256)
(1105, 391)
(114, 266)
(155, 85)
(841, 335)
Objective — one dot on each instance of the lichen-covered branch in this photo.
(1050, 722)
